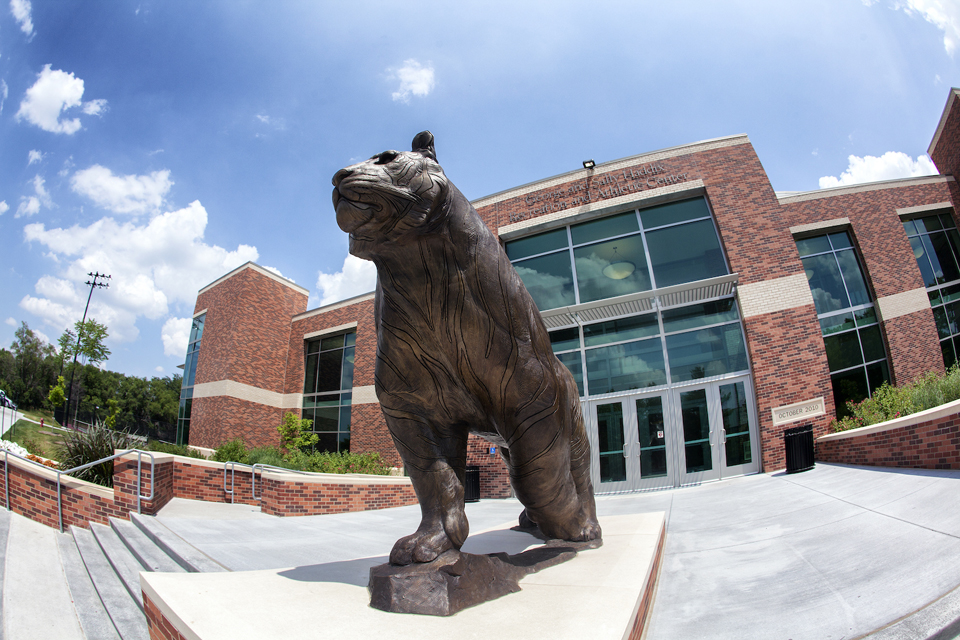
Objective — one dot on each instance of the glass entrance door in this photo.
(684, 436)
(719, 431)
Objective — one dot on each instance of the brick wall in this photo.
(245, 337)
(202, 480)
(927, 440)
(160, 628)
(946, 155)
(289, 495)
(220, 419)
(494, 477)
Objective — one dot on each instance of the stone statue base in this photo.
(457, 580)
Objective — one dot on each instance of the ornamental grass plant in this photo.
(97, 442)
(890, 402)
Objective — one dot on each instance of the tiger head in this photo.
(393, 197)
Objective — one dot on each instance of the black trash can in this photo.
(798, 443)
(471, 487)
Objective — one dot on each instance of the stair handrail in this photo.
(253, 476)
(6, 476)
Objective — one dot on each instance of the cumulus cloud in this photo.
(4, 207)
(34, 156)
(4, 92)
(10, 322)
(21, 10)
(122, 194)
(943, 14)
(30, 205)
(357, 277)
(154, 265)
(890, 166)
(175, 335)
(415, 79)
(277, 271)
(54, 93)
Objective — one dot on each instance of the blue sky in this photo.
(168, 142)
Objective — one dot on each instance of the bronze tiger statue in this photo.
(461, 349)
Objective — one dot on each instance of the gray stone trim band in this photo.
(823, 225)
(597, 209)
(774, 295)
(860, 188)
(906, 211)
(241, 391)
(901, 304)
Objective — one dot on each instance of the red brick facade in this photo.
(757, 230)
(927, 444)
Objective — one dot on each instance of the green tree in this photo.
(295, 434)
(34, 370)
(57, 395)
(91, 348)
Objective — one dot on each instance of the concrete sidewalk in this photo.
(835, 552)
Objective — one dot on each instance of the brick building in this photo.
(700, 312)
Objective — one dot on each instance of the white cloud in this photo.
(30, 205)
(357, 277)
(122, 194)
(890, 166)
(54, 93)
(943, 14)
(4, 92)
(4, 207)
(414, 79)
(154, 265)
(175, 335)
(10, 322)
(34, 156)
(277, 271)
(21, 13)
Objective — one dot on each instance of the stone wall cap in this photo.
(927, 415)
(334, 478)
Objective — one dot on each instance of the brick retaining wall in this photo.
(926, 440)
(288, 494)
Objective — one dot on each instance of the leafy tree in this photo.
(91, 348)
(57, 395)
(34, 368)
(295, 433)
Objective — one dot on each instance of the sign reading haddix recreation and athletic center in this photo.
(798, 411)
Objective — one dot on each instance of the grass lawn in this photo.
(42, 441)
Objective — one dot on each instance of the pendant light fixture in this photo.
(618, 269)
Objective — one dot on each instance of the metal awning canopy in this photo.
(664, 298)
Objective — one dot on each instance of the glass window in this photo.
(327, 385)
(686, 253)
(706, 352)
(620, 330)
(631, 365)
(189, 378)
(612, 268)
(936, 247)
(612, 256)
(700, 315)
(549, 280)
(852, 338)
(573, 362)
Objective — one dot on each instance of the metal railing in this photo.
(253, 476)
(60, 473)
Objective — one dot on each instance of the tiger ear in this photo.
(423, 144)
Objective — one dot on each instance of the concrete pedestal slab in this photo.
(602, 593)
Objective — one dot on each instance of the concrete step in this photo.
(185, 554)
(124, 563)
(122, 608)
(146, 551)
(93, 616)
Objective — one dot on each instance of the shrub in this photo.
(890, 402)
(175, 449)
(346, 462)
(265, 455)
(295, 433)
(231, 451)
(83, 447)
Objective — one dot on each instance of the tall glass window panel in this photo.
(736, 424)
(706, 352)
(700, 315)
(613, 268)
(613, 466)
(685, 253)
(632, 365)
(607, 227)
(328, 380)
(534, 245)
(936, 247)
(189, 378)
(549, 279)
(696, 431)
(674, 212)
(620, 330)
(653, 449)
(833, 272)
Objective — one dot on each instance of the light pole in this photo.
(93, 284)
